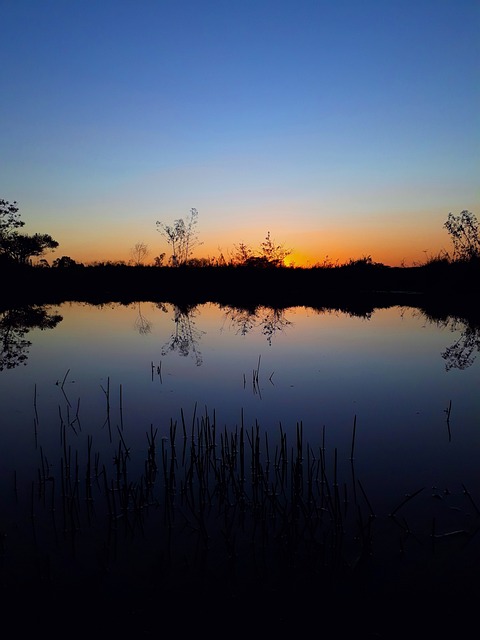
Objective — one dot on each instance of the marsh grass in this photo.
(226, 516)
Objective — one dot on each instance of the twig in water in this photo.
(448, 410)
(65, 378)
(372, 513)
(467, 493)
(407, 498)
(353, 436)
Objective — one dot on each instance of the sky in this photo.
(345, 129)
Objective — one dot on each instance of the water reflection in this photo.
(461, 354)
(270, 321)
(14, 325)
(185, 338)
(142, 324)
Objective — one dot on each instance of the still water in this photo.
(392, 373)
(118, 507)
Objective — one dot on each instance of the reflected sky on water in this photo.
(386, 371)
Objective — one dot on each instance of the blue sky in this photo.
(344, 128)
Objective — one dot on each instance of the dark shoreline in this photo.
(285, 286)
(440, 290)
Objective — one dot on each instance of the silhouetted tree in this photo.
(20, 247)
(65, 262)
(139, 252)
(9, 222)
(242, 254)
(269, 255)
(464, 234)
(9, 217)
(274, 254)
(181, 236)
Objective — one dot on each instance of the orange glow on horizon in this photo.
(297, 259)
(395, 245)
(390, 257)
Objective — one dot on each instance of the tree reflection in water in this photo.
(186, 337)
(14, 325)
(461, 354)
(142, 324)
(270, 320)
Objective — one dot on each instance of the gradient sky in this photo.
(344, 128)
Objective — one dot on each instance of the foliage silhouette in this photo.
(9, 217)
(181, 236)
(139, 252)
(14, 325)
(20, 247)
(65, 262)
(464, 234)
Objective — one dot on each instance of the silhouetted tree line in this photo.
(249, 277)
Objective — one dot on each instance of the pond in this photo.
(380, 410)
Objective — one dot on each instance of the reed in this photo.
(471, 500)
(157, 369)
(353, 437)
(231, 506)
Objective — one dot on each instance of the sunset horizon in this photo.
(401, 246)
(344, 129)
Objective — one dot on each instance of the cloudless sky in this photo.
(346, 128)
